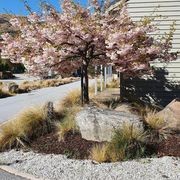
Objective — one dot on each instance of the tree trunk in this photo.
(86, 84)
(82, 86)
(121, 87)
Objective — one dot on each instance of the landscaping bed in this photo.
(48, 142)
(73, 145)
(169, 147)
(81, 133)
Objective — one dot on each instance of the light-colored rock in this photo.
(99, 124)
(13, 87)
(171, 115)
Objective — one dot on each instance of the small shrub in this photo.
(99, 153)
(126, 143)
(25, 86)
(153, 120)
(111, 103)
(67, 122)
(27, 125)
(4, 94)
(155, 125)
(73, 98)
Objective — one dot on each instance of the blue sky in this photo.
(17, 6)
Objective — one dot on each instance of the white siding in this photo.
(170, 11)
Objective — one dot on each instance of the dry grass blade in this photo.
(154, 121)
(99, 153)
(73, 98)
(28, 124)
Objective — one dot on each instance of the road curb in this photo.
(18, 173)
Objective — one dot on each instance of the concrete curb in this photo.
(18, 173)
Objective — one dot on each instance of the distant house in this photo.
(170, 12)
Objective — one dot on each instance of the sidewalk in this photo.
(8, 176)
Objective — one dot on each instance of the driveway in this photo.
(11, 106)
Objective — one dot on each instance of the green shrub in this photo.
(127, 143)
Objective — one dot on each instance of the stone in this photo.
(171, 116)
(48, 111)
(13, 88)
(99, 124)
(6, 75)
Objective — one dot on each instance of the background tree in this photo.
(79, 37)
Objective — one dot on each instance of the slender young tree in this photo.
(79, 37)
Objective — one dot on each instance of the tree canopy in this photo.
(85, 36)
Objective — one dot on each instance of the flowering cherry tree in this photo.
(79, 37)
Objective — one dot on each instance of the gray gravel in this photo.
(59, 167)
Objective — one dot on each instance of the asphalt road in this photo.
(11, 106)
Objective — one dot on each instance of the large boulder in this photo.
(99, 124)
(171, 116)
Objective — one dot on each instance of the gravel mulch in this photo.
(56, 167)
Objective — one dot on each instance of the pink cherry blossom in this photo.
(82, 37)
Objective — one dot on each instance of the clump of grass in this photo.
(73, 98)
(4, 94)
(99, 153)
(154, 121)
(67, 122)
(37, 84)
(113, 84)
(127, 142)
(27, 125)
(67, 111)
(155, 125)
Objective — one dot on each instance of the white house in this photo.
(169, 10)
(157, 90)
